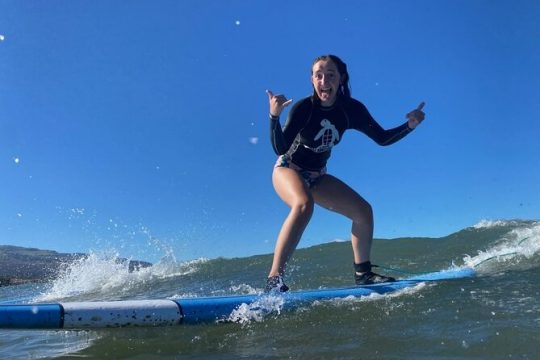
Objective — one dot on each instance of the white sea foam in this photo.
(244, 289)
(106, 275)
(518, 246)
(257, 310)
(352, 300)
(488, 224)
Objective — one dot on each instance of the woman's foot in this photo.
(275, 284)
(364, 276)
(368, 278)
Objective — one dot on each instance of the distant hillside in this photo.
(22, 265)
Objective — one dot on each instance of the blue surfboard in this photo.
(124, 313)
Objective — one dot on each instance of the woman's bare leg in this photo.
(291, 188)
(333, 194)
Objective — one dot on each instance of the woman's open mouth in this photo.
(326, 92)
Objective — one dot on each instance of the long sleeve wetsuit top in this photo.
(311, 130)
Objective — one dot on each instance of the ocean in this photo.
(495, 315)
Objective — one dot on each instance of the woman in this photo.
(315, 124)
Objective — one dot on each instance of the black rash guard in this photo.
(312, 130)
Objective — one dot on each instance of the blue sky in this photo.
(142, 126)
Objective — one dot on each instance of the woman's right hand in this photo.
(277, 103)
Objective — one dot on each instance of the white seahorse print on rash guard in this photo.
(329, 135)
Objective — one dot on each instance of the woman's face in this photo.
(326, 81)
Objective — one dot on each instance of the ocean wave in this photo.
(489, 224)
(518, 249)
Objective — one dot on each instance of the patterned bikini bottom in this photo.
(310, 177)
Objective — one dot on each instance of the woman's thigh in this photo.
(333, 194)
(290, 186)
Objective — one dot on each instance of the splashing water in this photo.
(488, 224)
(104, 275)
(515, 250)
(257, 310)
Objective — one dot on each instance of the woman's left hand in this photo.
(416, 116)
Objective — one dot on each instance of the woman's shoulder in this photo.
(357, 112)
(306, 101)
(302, 105)
(353, 104)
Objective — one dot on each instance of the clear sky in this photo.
(142, 126)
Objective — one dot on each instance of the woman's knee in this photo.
(363, 213)
(303, 206)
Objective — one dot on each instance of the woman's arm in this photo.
(364, 122)
(282, 138)
(277, 103)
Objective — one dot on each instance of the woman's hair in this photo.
(342, 68)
